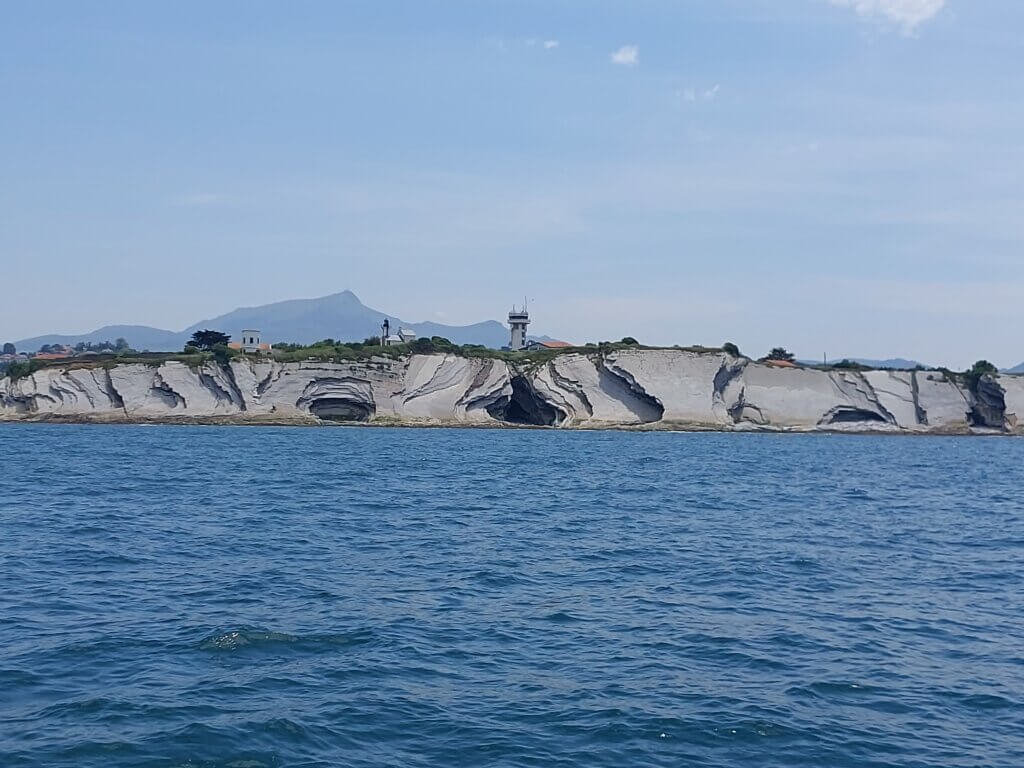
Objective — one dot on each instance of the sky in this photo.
(839, 177)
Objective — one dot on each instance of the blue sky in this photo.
(836, 176)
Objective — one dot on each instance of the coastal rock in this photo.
(808, 398)
(638, 388)
(896, 392)
(1013, 396)
(988, 404)
(689, 387)
(944, 404)
(586, 391)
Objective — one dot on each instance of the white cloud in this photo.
(691, 94)
(906, 13)
(547, 45)
(627, 56)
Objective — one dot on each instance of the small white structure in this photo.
(388, 339)
(250, 343)
(518, 319)
(404, 336)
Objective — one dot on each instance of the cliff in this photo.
(640, 388)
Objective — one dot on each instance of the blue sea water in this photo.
(250, 597)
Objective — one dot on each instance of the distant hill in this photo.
(138, 336)
(1015, 369)
(338, 316)
(895, 363)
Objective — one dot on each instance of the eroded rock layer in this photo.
(650, 388)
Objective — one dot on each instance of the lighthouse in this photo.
(517, 322)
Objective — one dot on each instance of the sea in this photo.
(248, 597)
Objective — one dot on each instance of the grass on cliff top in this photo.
(332, 351)
(329, 350)
(17, 371)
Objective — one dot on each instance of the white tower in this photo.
(517, 322)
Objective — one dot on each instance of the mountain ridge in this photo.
(339, 316)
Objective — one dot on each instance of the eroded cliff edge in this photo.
(637, 388)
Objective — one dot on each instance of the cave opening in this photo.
(340, 409)
(525, 407)
(855, 415)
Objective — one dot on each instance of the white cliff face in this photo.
(944, 404)
(587, 392)
(690, 387)
(1013, 389)
(670, 388)
(424, 387)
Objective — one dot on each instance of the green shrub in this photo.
(850, 365)
(17, 371)
(223, 354)
(977, 372)
(780, 353)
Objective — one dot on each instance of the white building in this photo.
(404, 336)
(250, 343)
(517, 322)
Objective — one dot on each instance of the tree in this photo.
(9, 349)
(441, 344)
(780, 353)
(121, 344)
(977, 372)
(731, 349)
(207, 339)
(422, 346)
(983, 367)
(845, 364)
(221, 353)
(45, 349)
(629, 340)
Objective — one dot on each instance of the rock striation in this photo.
(638, 388)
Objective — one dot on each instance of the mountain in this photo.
(1015, 369)
(338, 316)
(139, 336)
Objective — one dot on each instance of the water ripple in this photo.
(261, 598)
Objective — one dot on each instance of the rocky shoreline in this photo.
(633, 389)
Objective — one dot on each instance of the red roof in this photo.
(50, 356)
(263, 347)
(555, 344)
(781, 364)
